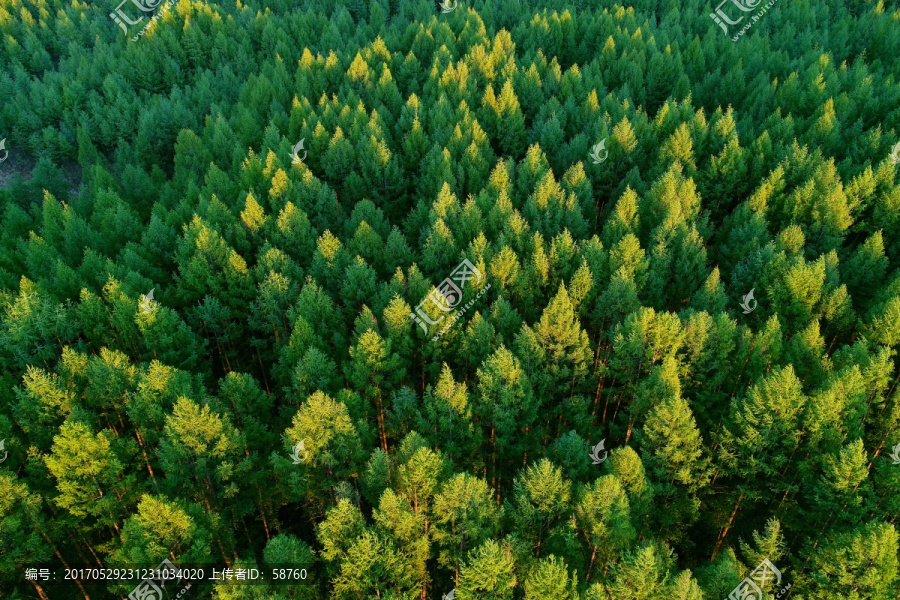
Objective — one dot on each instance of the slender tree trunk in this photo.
(628, 433)
(783, 498)
(146, 458)
(263, 371)
(90, 548)
(727, 527)
(262, 512)
(63, 561)
(597, 397)
(591, 564)
(381, 419)
(423, 375)
(222, 551)
(84, 557)
(494, 461)
(39, 590)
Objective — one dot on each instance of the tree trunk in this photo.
(262, 370)
(146, 458)
(39, 590)
(727, 527)
(381, 419)
(62, 560)
(591, 565)
(262, 512)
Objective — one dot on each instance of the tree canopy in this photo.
(514, 229)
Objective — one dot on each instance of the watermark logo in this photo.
(894, 455)
(746, 303)
(146, 6)
(723, 20)
(595, 452)
(301, 447)
(3, 147)
(596, 150)
(3, 448)
(447, 297)
(147, 304)
(121, 18)
(148, 590)
(295, 157)
(895, 153)
(751, 587)
(448, 6)
(449, 596)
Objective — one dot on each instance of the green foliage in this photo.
(278, 405)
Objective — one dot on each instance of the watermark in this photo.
(448, 6)
(147, 6)
(595, 452)
(3, 448)
(34, 574)
(746, 303)
(161, 581)
(148, 590)
(751, 587)
(723, 19)
(147, 304)
(595, 152)
(895, 453)
(238, 575)
(895, 153)
(295, 455)
(449, 596)
(460, 314)
(295, 158)
(3, 147)
(447, 297)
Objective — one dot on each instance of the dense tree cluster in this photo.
(139, 431)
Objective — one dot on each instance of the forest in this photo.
(472, 300)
